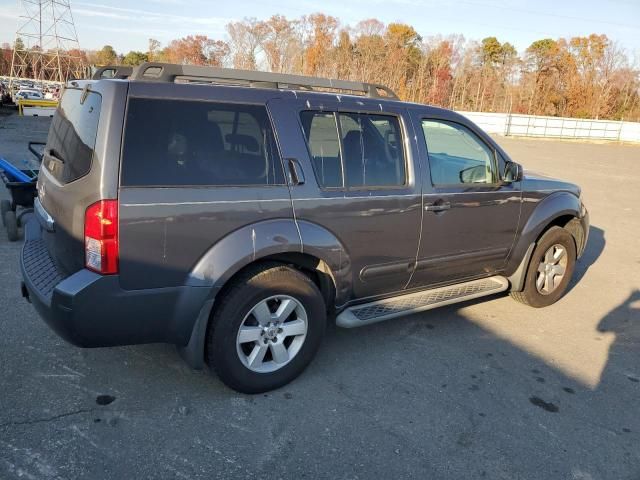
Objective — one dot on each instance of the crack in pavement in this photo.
(47, 419)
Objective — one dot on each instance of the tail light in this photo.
(101, 237)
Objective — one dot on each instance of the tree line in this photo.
(583, 77)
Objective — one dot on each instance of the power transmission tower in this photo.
(46, 46)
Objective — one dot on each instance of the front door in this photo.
(471, 215)
(361, 184)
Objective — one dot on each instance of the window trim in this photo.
(496, 170)
(199, 185)
(336, 113)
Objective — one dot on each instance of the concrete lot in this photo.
(488, 389)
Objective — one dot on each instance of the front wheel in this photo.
(266, 329)
(550, 269)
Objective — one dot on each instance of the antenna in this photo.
(46, 47)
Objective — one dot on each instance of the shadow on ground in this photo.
(432, 395)
(595, 247)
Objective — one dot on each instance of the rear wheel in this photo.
(266, 329)
(11, 224)
(5, 206)
(550, 269)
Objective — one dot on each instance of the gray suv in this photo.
(231, 213)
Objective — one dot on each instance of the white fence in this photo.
(555, 127)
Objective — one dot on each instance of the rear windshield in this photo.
(72, 136)
(184, 142)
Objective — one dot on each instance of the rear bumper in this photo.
(91, 310)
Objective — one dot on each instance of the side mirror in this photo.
(512, 172)
(477, 174)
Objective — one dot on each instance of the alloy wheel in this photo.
(272, 334)
(551, 269)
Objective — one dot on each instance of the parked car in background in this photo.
(29, 94)
(232, 213)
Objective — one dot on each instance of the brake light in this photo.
(101, 237)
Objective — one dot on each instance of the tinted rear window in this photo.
(321, 132)
(370, 151)
(72, 135)
(180, 142)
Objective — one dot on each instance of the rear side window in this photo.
(180, 143)
(72, 135)
(367, 147)
(321, 132)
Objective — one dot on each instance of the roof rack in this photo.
(166, 72)
(112, 71)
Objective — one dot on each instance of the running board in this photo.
(373, 312)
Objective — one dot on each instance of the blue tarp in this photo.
(14, 174)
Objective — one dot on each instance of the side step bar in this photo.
(373, 312)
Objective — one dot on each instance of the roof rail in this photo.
(167, 72)
(112, 71)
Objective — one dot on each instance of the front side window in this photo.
(457, 155)
(372, 153)
(179, 142)
(366, 147)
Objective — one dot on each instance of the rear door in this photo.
(361, 183)
(80, 165)
(471, 215)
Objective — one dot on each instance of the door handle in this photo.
(438, 207)
(296, 175)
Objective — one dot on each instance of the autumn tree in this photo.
(106, 56)
(135, 58)
(281, 42)
(402, 56)
(196, 50)
(320, 37)
(245, 39)
(368, 49)
(154, 51)
(6, 54)
(586, 76)
(433, 83)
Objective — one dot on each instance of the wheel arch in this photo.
(323, 259)
(562, 209)
(308, 246)
(313, 267)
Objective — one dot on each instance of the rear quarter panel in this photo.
(168, 234)
(67, 203)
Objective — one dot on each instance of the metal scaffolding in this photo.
(46, 47)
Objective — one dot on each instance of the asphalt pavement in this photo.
(486, 389)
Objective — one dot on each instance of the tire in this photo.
(11, 224)
(544, 287)
(5, 206)
(278, 287)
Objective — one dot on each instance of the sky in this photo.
(128, 25)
